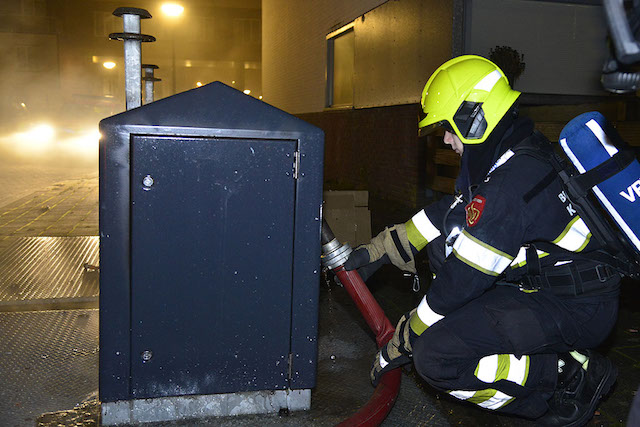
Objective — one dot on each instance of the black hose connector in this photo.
(333, 253)
(327, 233)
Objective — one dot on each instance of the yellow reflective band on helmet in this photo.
(479, 255)
(420, 230)
(489, 81)
(575, 237)
(423, 317)
(466, 79)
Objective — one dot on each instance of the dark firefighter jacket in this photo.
(520, 206)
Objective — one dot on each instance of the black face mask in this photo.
(477, 159)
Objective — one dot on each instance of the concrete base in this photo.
(201, 406)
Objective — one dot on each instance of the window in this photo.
(340, 67)
(247, 30)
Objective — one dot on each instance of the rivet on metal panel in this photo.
(147, 181)
(146, 355)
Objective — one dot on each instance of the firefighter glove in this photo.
(390, 246)
(397, 352)
(359, 259)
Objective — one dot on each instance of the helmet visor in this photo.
(424, 130)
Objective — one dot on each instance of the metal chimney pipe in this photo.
(149, 80)
(132, 51)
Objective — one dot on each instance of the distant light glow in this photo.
(233, 82)
(260, 97)
(23, 105)
(109, 65)
(47, 141)
(35, 140)
(246, 91)
(83, 143)
(43, 132)
(172, 9)
(198, 84)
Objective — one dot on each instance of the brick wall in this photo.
(374, 149)
(377, 149)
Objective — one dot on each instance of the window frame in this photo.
(330, 68)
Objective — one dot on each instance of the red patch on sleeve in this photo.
(474, 210)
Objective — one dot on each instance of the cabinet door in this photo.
(211, 261)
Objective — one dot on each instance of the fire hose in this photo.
(385, 394)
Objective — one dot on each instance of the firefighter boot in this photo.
(582, 381)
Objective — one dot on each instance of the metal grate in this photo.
(48, 361)
(49, 272)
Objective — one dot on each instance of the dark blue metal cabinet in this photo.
(210, 229)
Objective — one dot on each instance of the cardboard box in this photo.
(347, 199)
(348, 215)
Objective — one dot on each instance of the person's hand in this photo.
(359, 260)
(397, 352)
(436, 255)
(390, 246)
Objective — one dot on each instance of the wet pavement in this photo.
(20, 177)
(49, 329)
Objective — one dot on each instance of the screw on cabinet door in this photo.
(147, 181)
(146, 355)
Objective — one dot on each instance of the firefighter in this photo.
(518, 301)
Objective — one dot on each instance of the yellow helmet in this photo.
(467, 95)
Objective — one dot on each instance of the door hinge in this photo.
(296, 164)
(290, 366)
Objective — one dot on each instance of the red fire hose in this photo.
(385, 394)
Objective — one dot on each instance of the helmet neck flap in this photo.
(477, 159)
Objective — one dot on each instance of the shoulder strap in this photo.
(538, 147)
(577, 187)
(582, 183)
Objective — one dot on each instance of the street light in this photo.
(173, 10)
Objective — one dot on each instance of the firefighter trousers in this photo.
(500, 350)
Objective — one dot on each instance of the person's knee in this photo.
(438, 354)
(425, 360)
